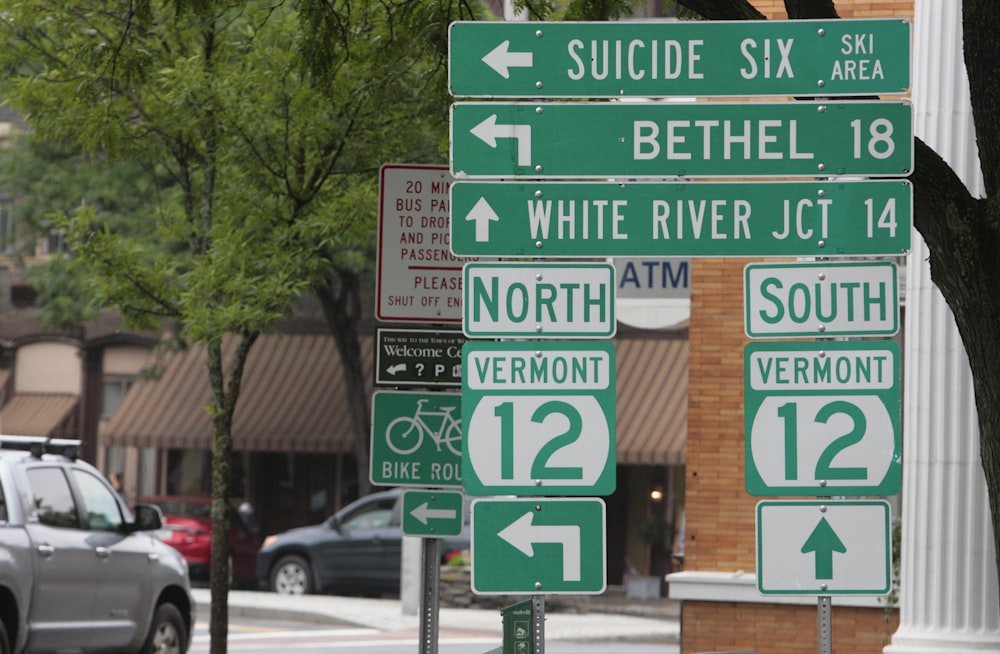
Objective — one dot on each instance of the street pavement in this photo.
(607, 617)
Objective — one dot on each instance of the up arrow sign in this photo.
(824, 542)
(524, 534)
(482, 214)
(501, 59)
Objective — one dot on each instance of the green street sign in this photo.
(539, 546)
(822, 418)
(823, 547)
(686, 58)
(600, 219)
(540, 300)
(416, 439)
(857, 298)
(697, 139)
(433, 514)
(540, 418)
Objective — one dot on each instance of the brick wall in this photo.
(720, 513)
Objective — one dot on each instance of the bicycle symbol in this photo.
(406, 433)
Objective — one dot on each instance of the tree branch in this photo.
(807, 9)
(982, 52)
(723, 9)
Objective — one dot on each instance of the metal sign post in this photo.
(431, 581)
(538, 622)
(825, 620)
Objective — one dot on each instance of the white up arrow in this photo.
(488, 132)
(482, 214)
(423, 513)
(501, 59)
(522, 534)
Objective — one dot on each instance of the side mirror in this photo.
(148, 517)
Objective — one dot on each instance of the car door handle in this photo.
(103, 552)
(46, 550)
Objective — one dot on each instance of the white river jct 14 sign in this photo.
(542, 300)
(822, 418)
(539, 418)
(859, 298)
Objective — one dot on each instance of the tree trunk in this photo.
(223, 408)
(340, 298)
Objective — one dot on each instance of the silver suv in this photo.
(78, 571)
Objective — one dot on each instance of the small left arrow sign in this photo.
(824, 542)
(501, 59)
(424, 512)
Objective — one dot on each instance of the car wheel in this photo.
(291, 576)
(167, 634)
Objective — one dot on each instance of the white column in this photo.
(948, 596)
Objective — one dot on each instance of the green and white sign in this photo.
(823, 547)
(697, 139)
(540, 418)
(686, 58)
(859, 298)
(539, 546)
(822, 418)
(703, 219)
(416, 439)
(542, 300)
(432, 513)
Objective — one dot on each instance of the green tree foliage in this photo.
(266, 119)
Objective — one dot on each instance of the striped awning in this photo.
(40, 414)
(294, 399)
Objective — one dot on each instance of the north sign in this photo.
(418, 357)
(859, 298)
(433, 513)
(703, 219)
(546, 546)
(822, 418)
(416, 439)
(542, 300)
(540, 418)
(686, 58)
(696, 139)
(823, 547)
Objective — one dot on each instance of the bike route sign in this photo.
(433, 513)
(687, 58)
(540, 418)
(697, 139)
(704, 219)
(416, 439)
(541, 300)
(858, 298)
(546, 546)
(823, 547)
(823, 418)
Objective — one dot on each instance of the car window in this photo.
(52, 500)
(376, 515)
(101, 506)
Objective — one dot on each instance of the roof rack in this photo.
(39, 445)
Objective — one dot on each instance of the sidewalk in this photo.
(647, 620)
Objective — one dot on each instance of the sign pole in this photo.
(538, 626)
(825, 620)
(431, 577)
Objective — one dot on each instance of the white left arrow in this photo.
(423, 513)
(489, 131)
(399, 367)
(501, 59)
(523, 534)
(482, 214)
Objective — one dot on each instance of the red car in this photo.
(187, 527)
